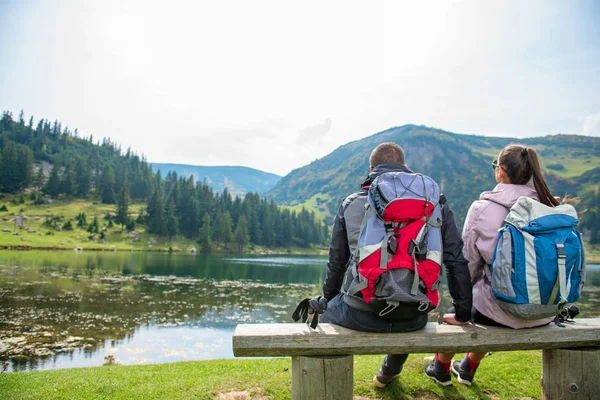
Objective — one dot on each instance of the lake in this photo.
(67, 309)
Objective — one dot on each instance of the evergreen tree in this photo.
(223, 228)
(287, 229)
(9, 178)
(172, 224)
(25, 167)
(83, 177)
(68, 182)
(93, 226)
(107, 185)
(120, 179)
(156, 213)
(53, 185)
(122, 216)
(241, 233)
(81, 220)
(188, 209)
(204, 235)
(39, 180)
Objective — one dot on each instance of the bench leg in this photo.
(322, 378)
(571, 373)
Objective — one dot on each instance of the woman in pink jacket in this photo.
(514, 169)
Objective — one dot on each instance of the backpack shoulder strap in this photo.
(358, 281)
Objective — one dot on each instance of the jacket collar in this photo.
(385, 167)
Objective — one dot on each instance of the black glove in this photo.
(314, 307)
(317, 305)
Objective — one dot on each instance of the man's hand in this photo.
(317, 305)
(451, 319)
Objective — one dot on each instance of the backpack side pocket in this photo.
(502, 266)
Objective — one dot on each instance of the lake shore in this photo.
(250, 251)
(41, 228)
(505, 375)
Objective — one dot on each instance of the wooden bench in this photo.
(322, 364)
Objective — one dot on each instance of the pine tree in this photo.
(81, 220)
(25, 167)
(122, 216)
(93, 226)
(107, 185)
(120, 179)
(223, 228)
(83, 177)
(10, 168)
(68, 183)
(241, 233)
(204, 234)
(156, 213)
(39, 180)
(53, 185)
(172, 224)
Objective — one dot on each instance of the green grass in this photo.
(317, 203)
(501, 376)
(573, 166)
(45, 237)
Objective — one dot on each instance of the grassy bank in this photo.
(592, 254)
(501, 376)
(36, 234)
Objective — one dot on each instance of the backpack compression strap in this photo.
(565, 283)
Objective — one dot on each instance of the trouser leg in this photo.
(392, 364)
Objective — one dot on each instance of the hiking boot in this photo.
(437, 373)
(464, 376)
(380, 380)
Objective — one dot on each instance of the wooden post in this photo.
(571, 373)
(322, 377)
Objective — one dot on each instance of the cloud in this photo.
(314, 134)
(591, 125)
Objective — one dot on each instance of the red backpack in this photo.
(399, 254)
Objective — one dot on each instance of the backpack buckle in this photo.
(423, 306)
(392, 244)
(418, 250)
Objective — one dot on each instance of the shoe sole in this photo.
(460, 380)
(378, 384)
(433, 378)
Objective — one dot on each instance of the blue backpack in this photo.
(539, 261)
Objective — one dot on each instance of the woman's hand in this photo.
(451, 319)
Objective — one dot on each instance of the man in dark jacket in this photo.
(354, 313)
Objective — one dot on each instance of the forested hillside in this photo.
(48, 161)
(237, 180)
(459, 163)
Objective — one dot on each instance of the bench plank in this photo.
(265, 340)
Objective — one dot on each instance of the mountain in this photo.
(237, 180)
(459, 163)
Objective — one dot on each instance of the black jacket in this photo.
(344, 240)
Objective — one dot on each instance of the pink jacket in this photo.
(480, 234)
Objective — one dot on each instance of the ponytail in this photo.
(538, 179)
(521, 164)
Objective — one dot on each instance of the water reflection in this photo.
(69, 310)
(63, 309)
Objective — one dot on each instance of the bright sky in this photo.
(274, 85)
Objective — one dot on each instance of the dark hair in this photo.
(521, 163)
(387, 152)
